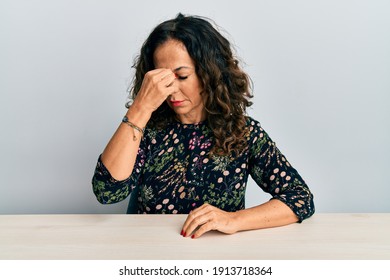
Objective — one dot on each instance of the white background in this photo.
(321, 74)
(109, 269)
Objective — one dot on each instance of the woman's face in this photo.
(187, 101)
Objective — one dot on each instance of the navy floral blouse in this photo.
(174, 173)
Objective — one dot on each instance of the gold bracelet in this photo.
(140, 130)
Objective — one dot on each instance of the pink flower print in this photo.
(195, 141)
(192, 144)
(205, 145)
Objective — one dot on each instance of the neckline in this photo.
(196, 125)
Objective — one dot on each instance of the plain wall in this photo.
(321, 74)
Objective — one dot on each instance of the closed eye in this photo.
(182, 77)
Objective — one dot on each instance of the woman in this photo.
(185, 144)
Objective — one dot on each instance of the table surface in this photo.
(157, 237)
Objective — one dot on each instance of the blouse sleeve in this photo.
(274, 174)
(108, 190)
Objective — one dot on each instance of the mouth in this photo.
(177, 103)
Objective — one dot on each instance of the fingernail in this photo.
(193, 236)
(176, 76)
(184, 234)
(181, 233)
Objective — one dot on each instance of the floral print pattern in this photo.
(175, 173)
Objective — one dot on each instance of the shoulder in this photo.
(253, 127)
(256, 135)
(252, 122)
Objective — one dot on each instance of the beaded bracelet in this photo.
(140, 130)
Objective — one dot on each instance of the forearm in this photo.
(121, 152)
(273, 213)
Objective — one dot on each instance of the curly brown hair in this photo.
(226, 88)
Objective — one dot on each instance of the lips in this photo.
(177, 103)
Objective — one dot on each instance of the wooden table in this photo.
(95, 237)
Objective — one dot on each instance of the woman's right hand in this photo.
(157, 85)
(120, 154)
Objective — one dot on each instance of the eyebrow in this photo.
(181, 67)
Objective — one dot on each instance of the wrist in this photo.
(138, 115)
(235, 222)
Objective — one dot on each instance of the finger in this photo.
(157, 75)
(192, 215)
(167, 92)
(165, 74)
(196, 219)
(197, 222)
(166, 86)
(169, 79)
(203, 229)
(153, 73)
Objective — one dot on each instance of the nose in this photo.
(174, 87)
(174, 92)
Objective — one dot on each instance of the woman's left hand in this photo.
(206, 218)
